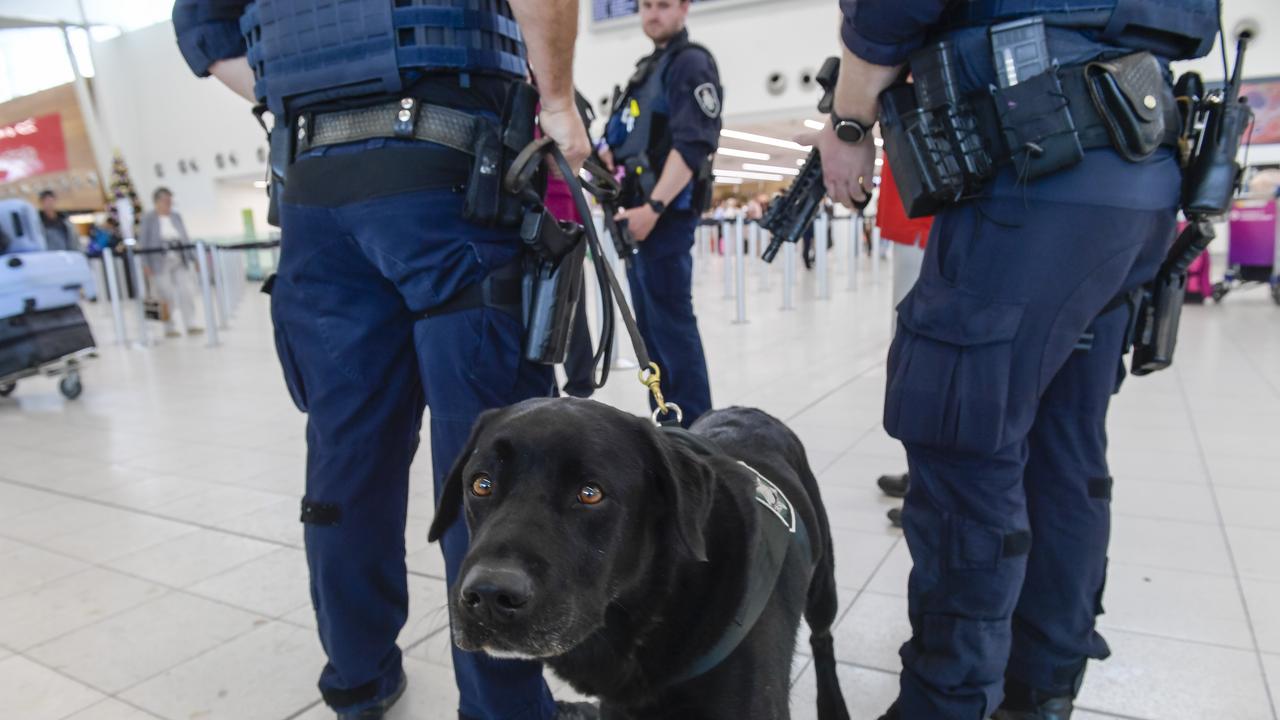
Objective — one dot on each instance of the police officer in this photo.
(376, 101)
(663, 135)
(1007, 352)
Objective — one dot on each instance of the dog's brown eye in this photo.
(590, 495)
(481, 486)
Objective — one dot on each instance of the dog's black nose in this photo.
(499, 593)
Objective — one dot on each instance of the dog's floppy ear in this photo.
(687, 484)
(451, 498)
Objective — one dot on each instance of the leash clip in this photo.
(651, 377)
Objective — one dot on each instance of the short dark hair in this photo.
(47, 193)
(162, 190)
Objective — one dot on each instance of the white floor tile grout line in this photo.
(1231, 556)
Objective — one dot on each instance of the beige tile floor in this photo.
(151, 563)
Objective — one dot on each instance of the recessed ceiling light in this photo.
(764, 140)
(747, 175)
(770, 169)
(748, 154)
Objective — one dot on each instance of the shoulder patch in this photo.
(708, 99)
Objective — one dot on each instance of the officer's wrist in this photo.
(553, 104)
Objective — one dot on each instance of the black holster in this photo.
(495, 147)
(552, 291)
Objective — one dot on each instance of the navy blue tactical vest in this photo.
(1173, 29)
(638, 131)
(307, 51)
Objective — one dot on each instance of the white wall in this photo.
(749, 41)
(156, 111)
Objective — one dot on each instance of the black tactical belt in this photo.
(407, 119)
(1090, 127)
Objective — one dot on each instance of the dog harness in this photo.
(781, 527)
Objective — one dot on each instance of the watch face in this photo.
(850, 132)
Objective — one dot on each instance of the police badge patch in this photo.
(708, 99)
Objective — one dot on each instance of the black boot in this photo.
(378, 711)
(1058, 708)
(1026, 703)
(576, 711)
(895, 517)
(894, 486)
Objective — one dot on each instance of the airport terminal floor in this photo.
(151, 561)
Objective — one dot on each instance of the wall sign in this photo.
(32, 147)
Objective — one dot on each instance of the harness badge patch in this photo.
(773, 499)
(708, 99)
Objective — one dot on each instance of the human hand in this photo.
(848, 171)
(640, 221)
(564, 125)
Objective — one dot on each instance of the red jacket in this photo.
(891, 216)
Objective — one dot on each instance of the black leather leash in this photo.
(518, 178)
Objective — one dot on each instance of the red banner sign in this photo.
(32, 147)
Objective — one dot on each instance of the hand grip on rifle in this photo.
(791, 215)
(605, 189)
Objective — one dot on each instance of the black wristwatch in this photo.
(658, 206)
(849, 130)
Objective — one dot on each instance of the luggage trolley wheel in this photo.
(70, 386)
(7, 388)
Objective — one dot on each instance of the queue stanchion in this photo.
(821, 231)
(206, 294)
(726, 241)
(139, 280)
(619, 270)
(220, 288)
(239, 273)
(766, 237)
(700, 241)
(113, 295)
(875, 256)
(788, 276)
(855, 234)
(739, 273)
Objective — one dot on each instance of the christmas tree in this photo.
(122, 189)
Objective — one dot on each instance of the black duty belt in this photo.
(407, 118)
(1090, 127)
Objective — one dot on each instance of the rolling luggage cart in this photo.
(1254, 245)
(42, 329)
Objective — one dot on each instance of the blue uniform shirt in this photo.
(694, 101)
(208, 31)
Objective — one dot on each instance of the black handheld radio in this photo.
(791, 215)
(1213, 125)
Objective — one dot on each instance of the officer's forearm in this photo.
(859, 87)
(236, 74)
(675, 175)
(550, 29)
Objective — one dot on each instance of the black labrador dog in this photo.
(622, 556)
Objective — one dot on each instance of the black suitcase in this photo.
(37, 337)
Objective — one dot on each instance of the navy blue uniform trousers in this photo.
(1003, 419)
(661, 278)
(360, 362)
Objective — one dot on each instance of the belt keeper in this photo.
(406, 118)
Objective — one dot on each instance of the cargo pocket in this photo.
(292, 377)
(949, 369)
